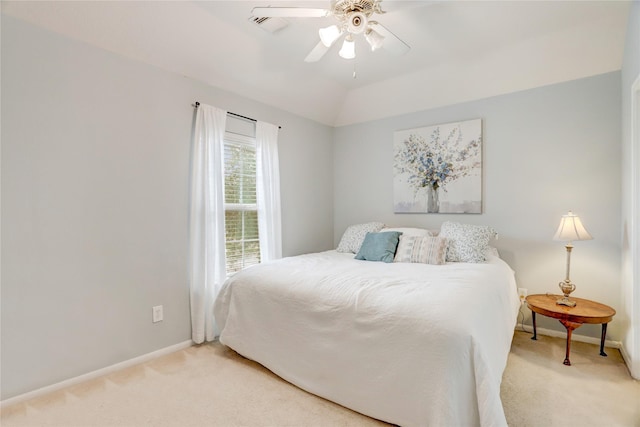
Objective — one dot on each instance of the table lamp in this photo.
(570, 229)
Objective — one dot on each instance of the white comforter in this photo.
(410, 344)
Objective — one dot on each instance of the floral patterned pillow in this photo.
(354, 236)
(466, 242)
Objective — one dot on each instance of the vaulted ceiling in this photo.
(460, 50)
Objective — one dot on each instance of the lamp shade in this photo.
(329, 35)
(348, 50)
(374, 39)
(571, 229)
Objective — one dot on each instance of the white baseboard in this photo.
(635, 373)
(574, 336)
(95, 374)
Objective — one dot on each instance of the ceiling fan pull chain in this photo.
(354, 70)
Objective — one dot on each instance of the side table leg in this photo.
(533, 318)
(570, 327)
(604, 335)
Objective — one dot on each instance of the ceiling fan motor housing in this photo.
(354, 14)
(343, 8)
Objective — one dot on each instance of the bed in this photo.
(407, 343)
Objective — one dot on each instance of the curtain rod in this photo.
(197, 104)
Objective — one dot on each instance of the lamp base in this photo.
(566, 287)
(566, 301)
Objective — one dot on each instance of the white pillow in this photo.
(466, 242)
(408, 231)
(354, 236)
(492, 252)
(422, 249)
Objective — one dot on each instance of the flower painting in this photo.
(438, 169)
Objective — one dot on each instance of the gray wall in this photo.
(546, 151)
(95, 164)
(630, 294)
(95, 169)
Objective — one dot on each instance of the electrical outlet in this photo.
(522, 293)
(157, 314)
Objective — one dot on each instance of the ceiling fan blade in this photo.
(317, 53)
(289, 12)
(391, 42)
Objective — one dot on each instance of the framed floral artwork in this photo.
(438, 169)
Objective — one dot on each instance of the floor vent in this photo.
(270, 25)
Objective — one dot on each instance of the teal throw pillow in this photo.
(379, 246)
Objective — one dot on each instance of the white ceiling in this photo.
(460, 51)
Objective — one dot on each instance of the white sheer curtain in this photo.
(207, 270)
(268, 191)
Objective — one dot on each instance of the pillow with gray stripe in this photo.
(421, 249)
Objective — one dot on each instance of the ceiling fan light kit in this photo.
(374, 39)
(353, 18)
(348, 50)
(329, 35)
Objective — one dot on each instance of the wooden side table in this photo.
(585, 311)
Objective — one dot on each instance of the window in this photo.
(241, 211)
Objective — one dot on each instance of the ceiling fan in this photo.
(353, 16)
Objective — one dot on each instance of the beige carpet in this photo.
(210, 385)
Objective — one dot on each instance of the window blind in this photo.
(241, 212)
